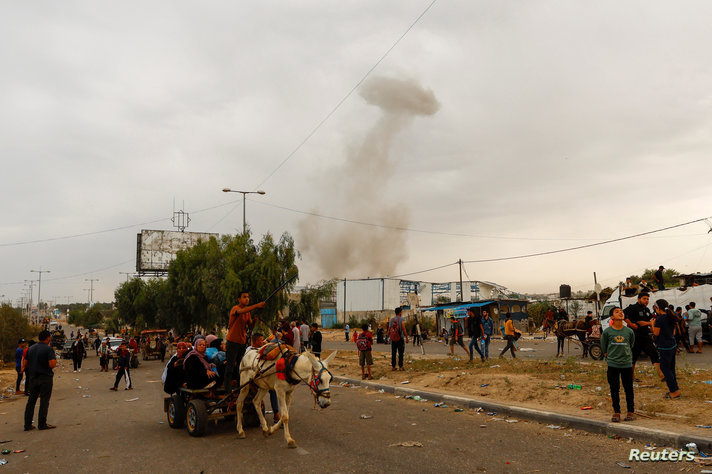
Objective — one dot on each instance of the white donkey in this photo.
(264, 374)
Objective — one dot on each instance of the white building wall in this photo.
(392, 294)
(361, 295)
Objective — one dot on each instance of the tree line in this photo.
(203, 283)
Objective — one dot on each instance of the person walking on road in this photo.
(104, 351)
(78, 353)
(617, 342)
(346, 332)
(240, 320)
(39, 364)
(123, 362)
(456, 337)
(315, 340)
(487, 331)
(396, 333)
(19, 352)
(474, 326)
(304, 331)
(509, 336)
(364, 342)
(694, 322)
(664, 325)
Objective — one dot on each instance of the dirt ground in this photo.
(543, 384)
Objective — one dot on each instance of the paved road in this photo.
(533, 349)
(100, 430)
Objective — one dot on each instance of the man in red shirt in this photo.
(240, 320)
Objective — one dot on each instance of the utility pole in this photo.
(128, 274)
(462, 290)
(91, 288)
(88, 290)
(39, 287)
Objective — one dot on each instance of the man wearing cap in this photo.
(658, 277)
(39, 363)
(21, 344)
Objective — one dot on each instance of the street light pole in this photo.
(39, 287)
(244, 203)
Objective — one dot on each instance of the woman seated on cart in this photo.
(199, 372)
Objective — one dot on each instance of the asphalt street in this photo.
(126, 431)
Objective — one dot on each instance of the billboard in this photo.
(155, 249)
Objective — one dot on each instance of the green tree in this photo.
(307, 307)
(537, 312)
(13, 326)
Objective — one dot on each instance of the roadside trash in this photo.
(554, 427)
(512, 421)
(417, 398)
(484, 385)
(598, 389)
(492, 413)
(494, 366)
(366, 417)
(6, 451)
(440, 405)
(405, 382)
(614, 437)
(378, 400)
(479, 410)
(18, 451)
(381, 391)
(708, 382)
(407, 444)
(574, 387)
(5, 441)
(86, 396)
(703, 426)
(623, 465)
(587, 408)
(161, 422)
(268, 412)
(692, 447)
(457, 410)
(3, 461)
(132, 399)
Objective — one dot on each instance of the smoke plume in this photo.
(352, 250)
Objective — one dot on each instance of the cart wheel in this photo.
(176, 412)
(596, 351)
(196, 418)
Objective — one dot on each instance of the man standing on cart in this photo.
(240, 320)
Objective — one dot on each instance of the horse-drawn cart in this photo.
(577, 332)
(153, 344)
(194, 408)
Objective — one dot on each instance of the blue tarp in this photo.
(458, 310)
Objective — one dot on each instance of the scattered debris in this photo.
(3, 461)
(407, 444)
(703, 426)
(381, 391)
(457, 410)
(366, 417)
(405, 382)
(483, 426)
(492, 413)
(554, 427)
(18, 451)
(484, 385)
(512, 421)
(132, 399)
(494, 366)
(692, 447)
(587, 408)
(623, 465)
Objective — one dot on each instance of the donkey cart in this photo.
(193, 408)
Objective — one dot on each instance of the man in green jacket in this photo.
(617, 342)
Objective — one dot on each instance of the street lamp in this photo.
(244, 202)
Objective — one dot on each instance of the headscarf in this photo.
(194, 352)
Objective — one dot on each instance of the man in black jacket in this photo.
(474, 327)
(78, 353)
(637, 317)
(39, 363)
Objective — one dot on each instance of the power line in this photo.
(422, 271)
(550, 252)
(422, 231)
(343, 99)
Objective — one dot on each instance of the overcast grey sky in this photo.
(559, 124)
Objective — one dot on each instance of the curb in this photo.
(649, 435)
